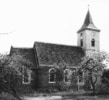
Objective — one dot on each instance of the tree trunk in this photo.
(93, 85)
(14, 95)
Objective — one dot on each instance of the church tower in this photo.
(88, 36)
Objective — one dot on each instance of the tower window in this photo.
(81, 42)
(81, 34)
(93, 42)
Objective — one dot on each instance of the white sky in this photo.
(54, 21)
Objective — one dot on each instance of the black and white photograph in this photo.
(54, 50)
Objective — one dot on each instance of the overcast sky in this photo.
(53, 21)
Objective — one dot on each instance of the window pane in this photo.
(52, 75)
(26, 76)
(67, 75)
(81, 42)
(93, 42)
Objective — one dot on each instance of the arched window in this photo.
(67, 74)
(52, 75)
(81, 42)
(93, 42)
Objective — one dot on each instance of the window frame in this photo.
(81, 42)
(66, 76)
(23, 76)
(54, 75)
(93, 42)
(81, 34)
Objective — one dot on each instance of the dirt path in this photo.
(44, 98)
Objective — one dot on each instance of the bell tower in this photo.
(88, 35)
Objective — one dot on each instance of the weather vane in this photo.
(88, 6)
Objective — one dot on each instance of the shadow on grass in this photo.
(85, 96)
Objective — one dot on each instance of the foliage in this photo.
(60, 77)
(93, 68)
(105, 78)
(10, 73)
(103, 86)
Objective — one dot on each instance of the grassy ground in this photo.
(83, 96)
(68, 96)
(57, 96)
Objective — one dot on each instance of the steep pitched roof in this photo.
(88, 23)
(25, 53)
(50, 54)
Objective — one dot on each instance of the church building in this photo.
(46, 57)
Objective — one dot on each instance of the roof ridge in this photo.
(57, 44)
(21, 47)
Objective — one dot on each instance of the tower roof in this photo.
(88, 23)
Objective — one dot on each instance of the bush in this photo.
(47, 90)
(62, 86)
(102, 88)
(6, 96)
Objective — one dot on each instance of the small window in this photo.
(26, 79)
(81, 34)
(52, 75)
(81, 42)
(93, 42)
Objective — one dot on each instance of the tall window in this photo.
(52, 75)
(93, 42)
(26, 79)
(81, 42)
(67, 74)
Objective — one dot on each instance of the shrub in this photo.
(102, 88)
(7, 96)
(62, 86)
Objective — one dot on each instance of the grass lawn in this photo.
(67, 96)
(83, 96)
(56, 96)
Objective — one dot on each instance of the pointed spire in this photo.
(88, 19)
(88, 23)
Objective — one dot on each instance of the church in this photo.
(46, 57)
